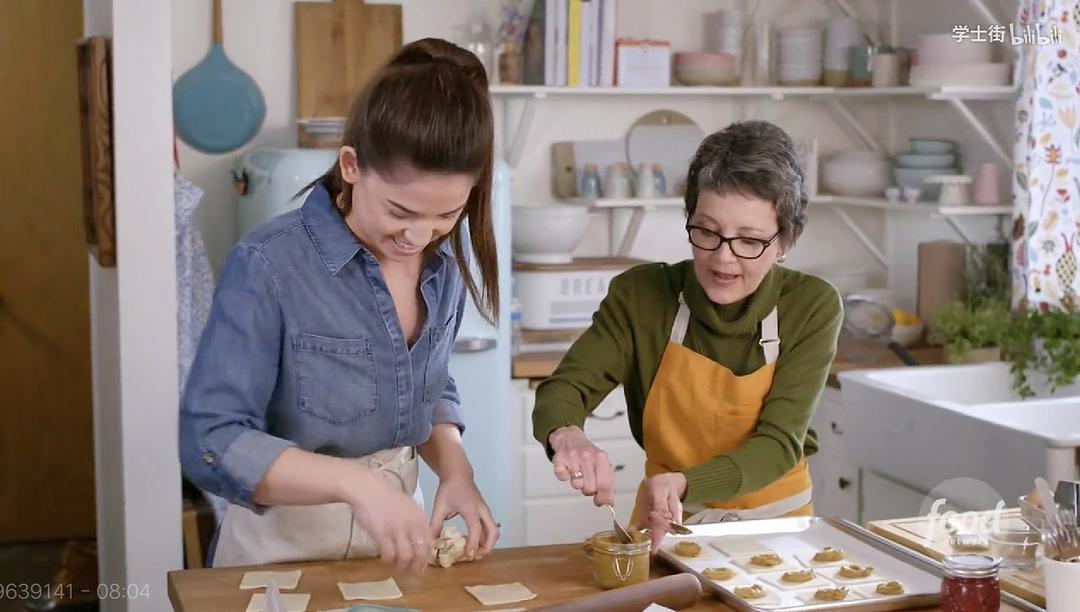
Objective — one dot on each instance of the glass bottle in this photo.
(659, 181)
(590, 183)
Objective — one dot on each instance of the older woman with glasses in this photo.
(722, 358)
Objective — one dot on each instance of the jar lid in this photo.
(971, 566)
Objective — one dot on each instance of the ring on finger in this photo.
(577, 475)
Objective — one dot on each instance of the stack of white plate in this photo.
(942, 60)
(801, 56)
(724, 33)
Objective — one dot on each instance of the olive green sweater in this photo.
(631, 329)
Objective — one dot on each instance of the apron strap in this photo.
(770, 330)
(770, 336)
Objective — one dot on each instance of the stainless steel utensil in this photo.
(624, 535)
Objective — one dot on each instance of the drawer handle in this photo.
(844, 483)
(620, 467)
(836, 430)
(618, 415)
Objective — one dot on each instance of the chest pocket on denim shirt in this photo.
(442, 340)
(335, 377)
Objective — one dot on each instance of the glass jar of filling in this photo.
(970, 584)
(616, 564)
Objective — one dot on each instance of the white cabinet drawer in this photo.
(607, 422)
(568, 520)
(625, 455)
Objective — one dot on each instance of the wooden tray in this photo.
(912, 533)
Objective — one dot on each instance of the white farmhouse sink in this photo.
(922, 426)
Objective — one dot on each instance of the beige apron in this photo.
(314, 532)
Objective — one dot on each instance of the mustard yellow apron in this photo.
(697, 409)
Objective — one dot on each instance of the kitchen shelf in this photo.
(950, 214)
(526, 96)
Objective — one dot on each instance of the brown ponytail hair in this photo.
(429, 107)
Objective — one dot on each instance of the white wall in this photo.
(133, 310)
(258, 37)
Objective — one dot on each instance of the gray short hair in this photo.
(755, 158)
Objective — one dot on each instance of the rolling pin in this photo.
(675, 592)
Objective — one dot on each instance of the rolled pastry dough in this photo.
(258, 580)
(500, 594)
(372, 591)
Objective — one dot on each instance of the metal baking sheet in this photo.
(796, 539)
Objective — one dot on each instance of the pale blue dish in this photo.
(926, 160)
(932, 145)
(915, 177)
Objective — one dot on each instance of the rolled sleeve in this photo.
(224, 445)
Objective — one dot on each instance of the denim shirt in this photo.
(303, 348)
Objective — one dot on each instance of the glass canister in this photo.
(970, 584)
(616, 564)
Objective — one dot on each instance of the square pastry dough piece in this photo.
(771, 599)
(808, 597)
(371, 591)
(807, 559)
(707, 553)
(258, 580)
(833, 573)
(500, 594)
(869, 591)
(777, 581)
(785, 566)
(739, 546)
(294, 602)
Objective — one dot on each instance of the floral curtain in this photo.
(1046, 193)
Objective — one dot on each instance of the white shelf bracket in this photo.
(839, 111)
(861, 235)
(959, 229)
(846, 10)
(630, 235)
(962, 108)
(515, 133)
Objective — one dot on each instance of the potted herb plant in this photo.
(971, 333)
(1046, 343)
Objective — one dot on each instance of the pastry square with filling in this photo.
(777, 580)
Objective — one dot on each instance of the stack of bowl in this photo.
(724, 33)
(801, 56)
(942, 60)
(856, 172)
(693, 68)
(927, 157)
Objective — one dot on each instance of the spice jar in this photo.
(970, 584)
(616, 564)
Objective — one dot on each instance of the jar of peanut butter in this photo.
(616, 564)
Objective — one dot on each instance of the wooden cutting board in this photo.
(339, 46)
(915, 533)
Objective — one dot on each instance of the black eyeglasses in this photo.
(741, 246)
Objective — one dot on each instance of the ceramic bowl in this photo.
(926, 160)
(907, 335)
(932, 145)
(983, 74)
(547, 233)
(944, 49)
(856, 177)
(916, 178)
(705, 68)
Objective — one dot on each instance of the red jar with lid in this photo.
(970, 584)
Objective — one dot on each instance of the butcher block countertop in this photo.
(555, 573)
(541, 365)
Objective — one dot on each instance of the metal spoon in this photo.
(624, 536)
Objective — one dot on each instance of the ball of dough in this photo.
(766, 560)
(837, 594)
(718, 573)
(798, 576)
(891, 587)
(828, 554)
(855, 571)
(448, 549)
(688, 549)
(753, 591)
